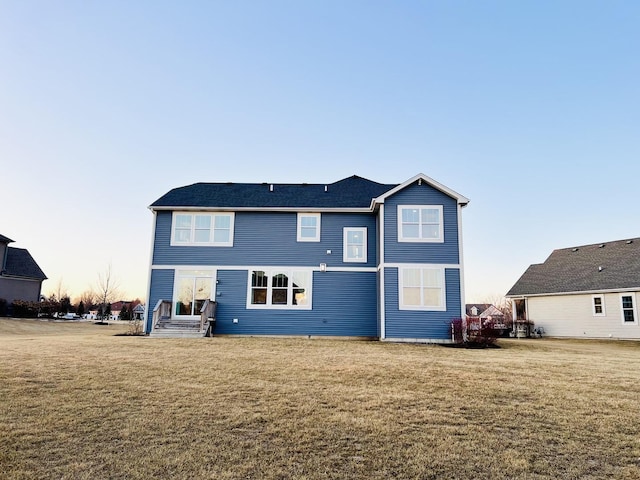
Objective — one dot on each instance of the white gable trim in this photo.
(421, 177)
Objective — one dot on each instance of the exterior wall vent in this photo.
(326, 188)
(271, 187)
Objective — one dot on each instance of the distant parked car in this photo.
(70, 316)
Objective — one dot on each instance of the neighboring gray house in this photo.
(590, 291)
(20, 276)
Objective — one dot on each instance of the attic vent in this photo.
(326, 188)
(575, 249)
(271, 187)
(601, 245)
(629, 242)
(419, 181)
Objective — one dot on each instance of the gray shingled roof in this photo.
(20, 263)
(351, 192)
(588, 268)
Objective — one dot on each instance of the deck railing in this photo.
(161, 310)
(207, 312)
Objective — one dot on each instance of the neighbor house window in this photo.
(308, 227)
(207, 229)
(598, 306)
(629, 314)
(354, 244)
(420, 223)
(279, 288)
(191, 289)
(421, 288)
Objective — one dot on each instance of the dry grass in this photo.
(78, 402)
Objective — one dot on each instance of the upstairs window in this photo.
(354, 244)
(206, 229)
(598, 306)
(422, 288)
(308, 227)
(629, 314)
(279, 288)
(420, 223)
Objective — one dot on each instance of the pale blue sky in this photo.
(530, 109)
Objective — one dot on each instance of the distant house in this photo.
(353, 258)
(589, 291)
(485, 312)
(138, 312)
(20, 276)
(117, 307)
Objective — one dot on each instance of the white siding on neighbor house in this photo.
(572, 316)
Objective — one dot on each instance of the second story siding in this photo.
(268, 238)
(446, 251)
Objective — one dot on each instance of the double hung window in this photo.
(354, 244)
(629, 314)
(279, 288)
(422, 288)
(208, 229)
(308, 227)
(598, 306)
(420, 223)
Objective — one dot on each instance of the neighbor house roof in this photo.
(351, 192)
(588, 268)
(20, 263)
(4, 239)
(482, 308)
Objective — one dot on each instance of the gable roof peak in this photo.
(4, 239)
(421, 178)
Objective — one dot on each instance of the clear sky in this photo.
(529, 108)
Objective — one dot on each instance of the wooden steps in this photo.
(173, 327)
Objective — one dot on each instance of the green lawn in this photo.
(78, 401)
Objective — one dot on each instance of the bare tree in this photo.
(59, 291)
(107, 290)
(88, 298)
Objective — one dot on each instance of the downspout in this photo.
(461, 263)
(383, 333)
(147, 326)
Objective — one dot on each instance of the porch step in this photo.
(175, 333)
(172, 327)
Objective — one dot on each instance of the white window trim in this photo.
(439, 239)
(300, 238)
(203, 274)
(593, 306)
(269, 272)
(635, 308)
(192, 242)
(427, 308)
(345, 250)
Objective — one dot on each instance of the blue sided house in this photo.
(354, 258)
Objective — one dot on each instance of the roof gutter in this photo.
(261, 209)
(578, 292)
